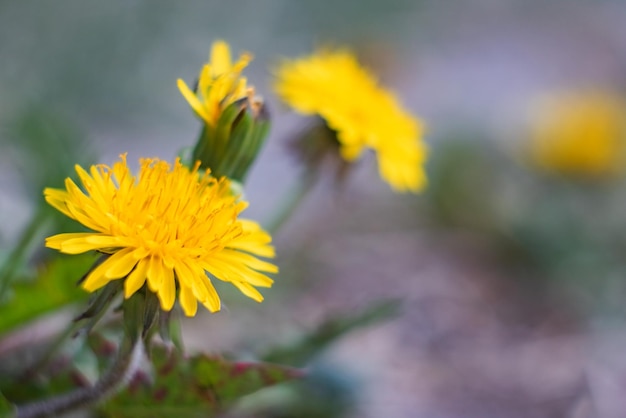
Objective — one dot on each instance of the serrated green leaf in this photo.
(200, 386)
(309, 346)
(54, 288)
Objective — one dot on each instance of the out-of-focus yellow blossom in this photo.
(579, 133)
(166, 227)
(332, 84)
(220, 84)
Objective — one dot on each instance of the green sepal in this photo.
(232, 145)
(151, 312)
(98, 305)
(141, 312)
(256, 138)
(237, 144)
(213, 142)
(222, 134)
(133, 315)
(170, 329)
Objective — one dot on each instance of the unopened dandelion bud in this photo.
(235, 120)
(231, 147)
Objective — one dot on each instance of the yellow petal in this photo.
(212, 300)
(193, 101)
(84, 177)
(220, 58)
(229, 271)
(56, 241)
(79, 214)
(204, 83)
(57, 199)
(123, 176)
(88, 243)
(97, 175)
(135, 279)
(140, 253)
(97, 278)
(155, 273)
(188, 301)
(248, 260)
(167, 290)
(184, 274)
(249, 291)
(249, 244)
(196, 279)
(122, 265)
(242, 63)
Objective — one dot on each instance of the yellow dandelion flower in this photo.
(579, 133)
(167, 227)
(333, 85)
(219, 85)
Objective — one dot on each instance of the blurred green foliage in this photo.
(199, 386)
(559, 232)
(6, 409)
(310, 345)
(52, 288)
(45, 147)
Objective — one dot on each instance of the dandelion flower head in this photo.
(219, 85)
(333, 85)
(579, 132)
(167, 227)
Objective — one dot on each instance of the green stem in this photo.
(125, 365)
(16, 257)
(291, 202)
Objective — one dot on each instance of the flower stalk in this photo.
(114, 379)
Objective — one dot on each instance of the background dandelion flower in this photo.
(579, 132)
(333, 85)
(167, 227)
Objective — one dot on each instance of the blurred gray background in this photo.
(472, 341)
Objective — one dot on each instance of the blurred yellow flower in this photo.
(333, 85)
(579, 133)
(219, 85)
(166, 227)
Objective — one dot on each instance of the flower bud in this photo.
(235, 120)
(231, 146)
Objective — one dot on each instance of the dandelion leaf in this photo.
(200, 386)
(302, 351)
(54, 288)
